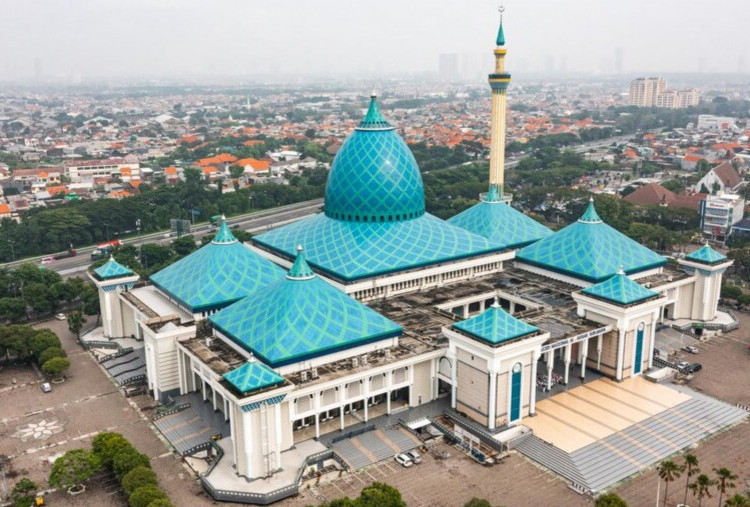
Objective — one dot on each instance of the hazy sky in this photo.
(174, 38)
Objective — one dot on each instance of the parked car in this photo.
(134, 391)
(682, 365)
(690, 348)
(415, 456)
(46, 387)
(60, 316)
(403, 460)
(694, 367)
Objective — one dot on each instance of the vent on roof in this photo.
(355, 362)
(387, 353)
(303, 376)
(364, 359)
(208, 342)
(314, 373)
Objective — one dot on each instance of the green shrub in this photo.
(23, 493)
(137, 477)
(107, 445)
(145, 495)
(161, 502)
(73, 469)
(55, 366)
(610, 500)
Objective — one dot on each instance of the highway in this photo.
(256, 223)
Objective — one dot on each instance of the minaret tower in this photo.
(499, 81)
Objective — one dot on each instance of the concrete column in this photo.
(652, 335)
(226, 410)
(532, 387)
(454, 383)
(584, 353)
(620, 353)
(492, 405)
(278, 430)
(213, 397)
(317, 425)
(388, 402)
(366, 409)
(203, 388)
(550, 365)
(512, 307)
(247, 437)
(466, 311)
(566, 374)
(599, 351)
(341, 413)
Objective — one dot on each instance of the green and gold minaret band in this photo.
(499, 81)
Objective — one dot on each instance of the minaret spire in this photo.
(499, 81)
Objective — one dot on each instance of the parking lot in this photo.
(36, 427)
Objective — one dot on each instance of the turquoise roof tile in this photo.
(300, 318)
(501, 224)
(112, 269)
(216, 274)
(620, 289)
(589, 250)
(706, 255)
(252, 377)
(374, 177)
(355, 250)
(495, 326)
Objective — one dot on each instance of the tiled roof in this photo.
(590, 250)
(706, 255)
(355, 250)
(727, 174)
(301, 317)
(500, 223)
(374, 176)
(217, 274)
(620, 289)
(252, 376)
(111, 269)
(495, 326)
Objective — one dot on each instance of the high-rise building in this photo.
(644, 91)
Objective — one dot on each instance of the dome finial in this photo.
(621, 271)
(300, 270)
(224, 235)
(373, 119)
(590, 216)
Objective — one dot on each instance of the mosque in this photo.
(374, 307)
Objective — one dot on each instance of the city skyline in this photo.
(82, 40)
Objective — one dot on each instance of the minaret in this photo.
(499, 81)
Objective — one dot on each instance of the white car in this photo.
(690, 348)
(415, 456)
(46, 387)
(403, 460)
(60, 316)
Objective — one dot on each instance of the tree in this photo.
(41, 341)
(668, 471)
(184, 245)
(737, 500)
(137, 477)
(128, 459)
(107, 445)
(143, 496)
(380, 494)
(691, 468)
(73, 468)
(75, 322)
(12, 309)
(23, 493)
(725, 481)
(477, 502)
(51, 353)
(702, 487)
(55, 366)
(161, 502)
(610, 500)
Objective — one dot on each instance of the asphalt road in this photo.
(254, 223)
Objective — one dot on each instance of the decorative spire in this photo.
(373, 120)
(500, 33)
(621, 271)
(300, 270)
(590, 216)
(224, 236)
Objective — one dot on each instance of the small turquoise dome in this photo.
(374, 177)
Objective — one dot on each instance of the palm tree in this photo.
(691, 468)
(668, 471)
(725, 481)
(702, 487)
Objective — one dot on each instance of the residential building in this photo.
(719, 213)
(89, 170)
(720, 179)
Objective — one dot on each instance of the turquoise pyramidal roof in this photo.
(706, 255)
(301, 317)
(589, 250)
(112, 269)
(500, 41)
(216, 274)
(374, 177)
(495, 326)
(500, 223)
(253, 376)
(620, 289)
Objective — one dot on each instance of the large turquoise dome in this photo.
(374, 177)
